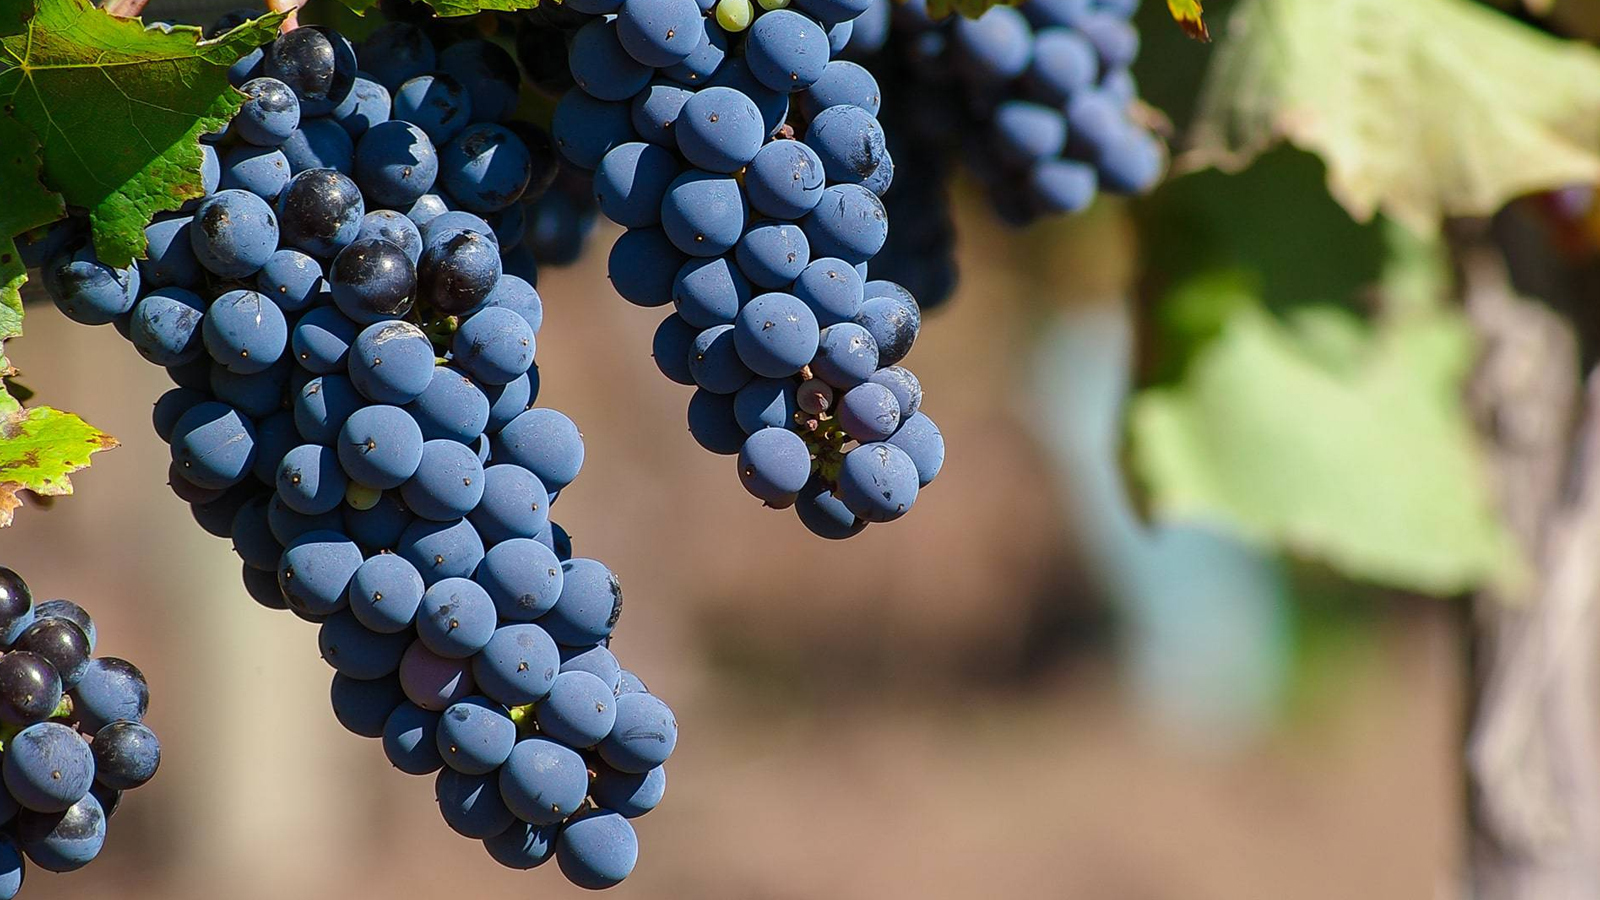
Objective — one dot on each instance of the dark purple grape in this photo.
(63, 643)
(395, 52)
(457, 273)
(30, 689)
(16, 605)
(126, 755)
(63, 841)
(66, 609)
(318, 64)
(488, 73)
(543, 54)
(542, 150)
(371, 280)
(320, 212)
(112, 689)
(110, 798)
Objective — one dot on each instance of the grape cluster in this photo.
(1036, 99)
(73, 732)
(746, 163)
(354, 354)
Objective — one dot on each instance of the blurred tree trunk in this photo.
(1532, 756)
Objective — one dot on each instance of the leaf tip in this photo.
(1190, 16)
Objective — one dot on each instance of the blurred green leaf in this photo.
(1195, 311)
(1337, 442)
(1416, 275)
(1421, 109)
(1338, 630)
(118, 110)
(1214, 242)
(1275, 219)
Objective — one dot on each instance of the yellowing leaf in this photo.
(1190, 17)
(1420, 108)
(12, 275)
(38, 448)
(118, 109)
(1337, 443)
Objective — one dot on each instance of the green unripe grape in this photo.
(361, 497)
(734, 15)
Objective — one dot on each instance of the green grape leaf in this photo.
(118, 109)
(12, 277)
(1421, 109)
(1339, 442)
(469, 7)
(14, 16)
(27, 205)
(1190, 17)
(448, 8)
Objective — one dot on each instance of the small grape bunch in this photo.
(747, 162)
(73, 735)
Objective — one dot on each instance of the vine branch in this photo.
(1531, 756)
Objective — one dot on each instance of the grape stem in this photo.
(439, 331)
(826, 441)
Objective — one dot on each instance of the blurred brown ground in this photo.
(860, 720)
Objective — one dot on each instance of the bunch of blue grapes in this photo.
(350, 319)
(1037, 100)
(72, 728)
(747, 162)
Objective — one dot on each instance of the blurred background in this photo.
(1030, 686)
